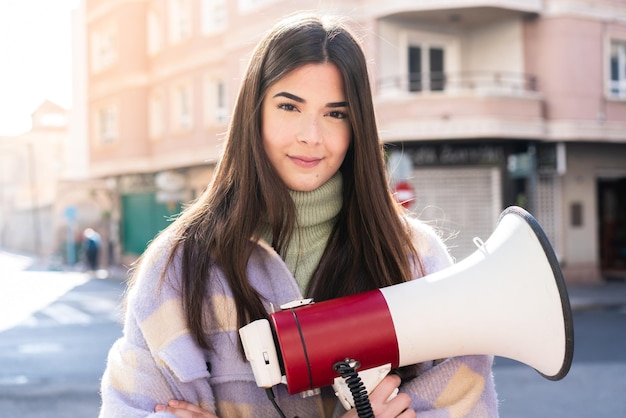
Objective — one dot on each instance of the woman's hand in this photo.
(384, 407)
(184, 409)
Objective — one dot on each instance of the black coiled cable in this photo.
(357, 388)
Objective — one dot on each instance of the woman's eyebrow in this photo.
(301, 100)
(337, 104)
(289, 96)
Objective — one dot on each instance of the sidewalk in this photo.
(118, 273)
(11, 262)
(610, 295)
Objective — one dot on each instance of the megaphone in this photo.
(507, 299)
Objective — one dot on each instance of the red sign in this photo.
(404, 194)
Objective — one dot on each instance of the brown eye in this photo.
(337, 114)
(287, 106)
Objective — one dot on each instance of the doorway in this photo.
(612, 225)
(143, 217)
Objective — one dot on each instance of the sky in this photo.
(35, 59)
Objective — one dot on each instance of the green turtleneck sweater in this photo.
(317, 211)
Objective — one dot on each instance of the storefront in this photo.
(462, 187)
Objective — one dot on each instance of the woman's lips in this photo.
(305, 162)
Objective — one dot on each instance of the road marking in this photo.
(65, 314)
(13, 380)
(40, 348)
(23, 293)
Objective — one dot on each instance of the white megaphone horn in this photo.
(507, 299)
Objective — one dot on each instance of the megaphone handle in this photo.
(358, 391)
(352, 388)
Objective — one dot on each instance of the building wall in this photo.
(497, 46)
(30, 167)
(567, 52)
(570, 52)
(519, 75)
(587, 163)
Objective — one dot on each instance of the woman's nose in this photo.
(309, 131)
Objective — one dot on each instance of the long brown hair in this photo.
(370, 246)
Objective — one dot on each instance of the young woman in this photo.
(299, 206)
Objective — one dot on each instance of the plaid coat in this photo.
(157, 359)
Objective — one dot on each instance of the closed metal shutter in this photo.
(461, 203)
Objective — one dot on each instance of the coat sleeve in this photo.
(145, 366)
(454, 387)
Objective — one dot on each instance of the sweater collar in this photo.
(320, 205)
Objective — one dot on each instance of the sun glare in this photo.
(35, 57)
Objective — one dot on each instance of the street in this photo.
(595, 385)
(55, 331)
(55, 337)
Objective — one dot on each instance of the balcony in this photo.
(460, 12)
(475, 82)
(462, 105)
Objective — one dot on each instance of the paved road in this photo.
(594, 386)
(56, 328)
(51, 361)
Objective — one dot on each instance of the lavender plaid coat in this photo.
(157, 359)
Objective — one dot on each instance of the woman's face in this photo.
(306, 129)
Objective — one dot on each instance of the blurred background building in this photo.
(31, 166)
(482, 105)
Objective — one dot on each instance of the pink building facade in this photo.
(481, 104)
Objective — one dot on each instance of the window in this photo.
(617, 86)
(415, 68)
(214, 16)
(426, 68)
(107, 125)
(214, 101)
(221, 102)
(179, 20)
(156, 127)
(436, 67)
(155, 33)
(182, 107)
(103, 48)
